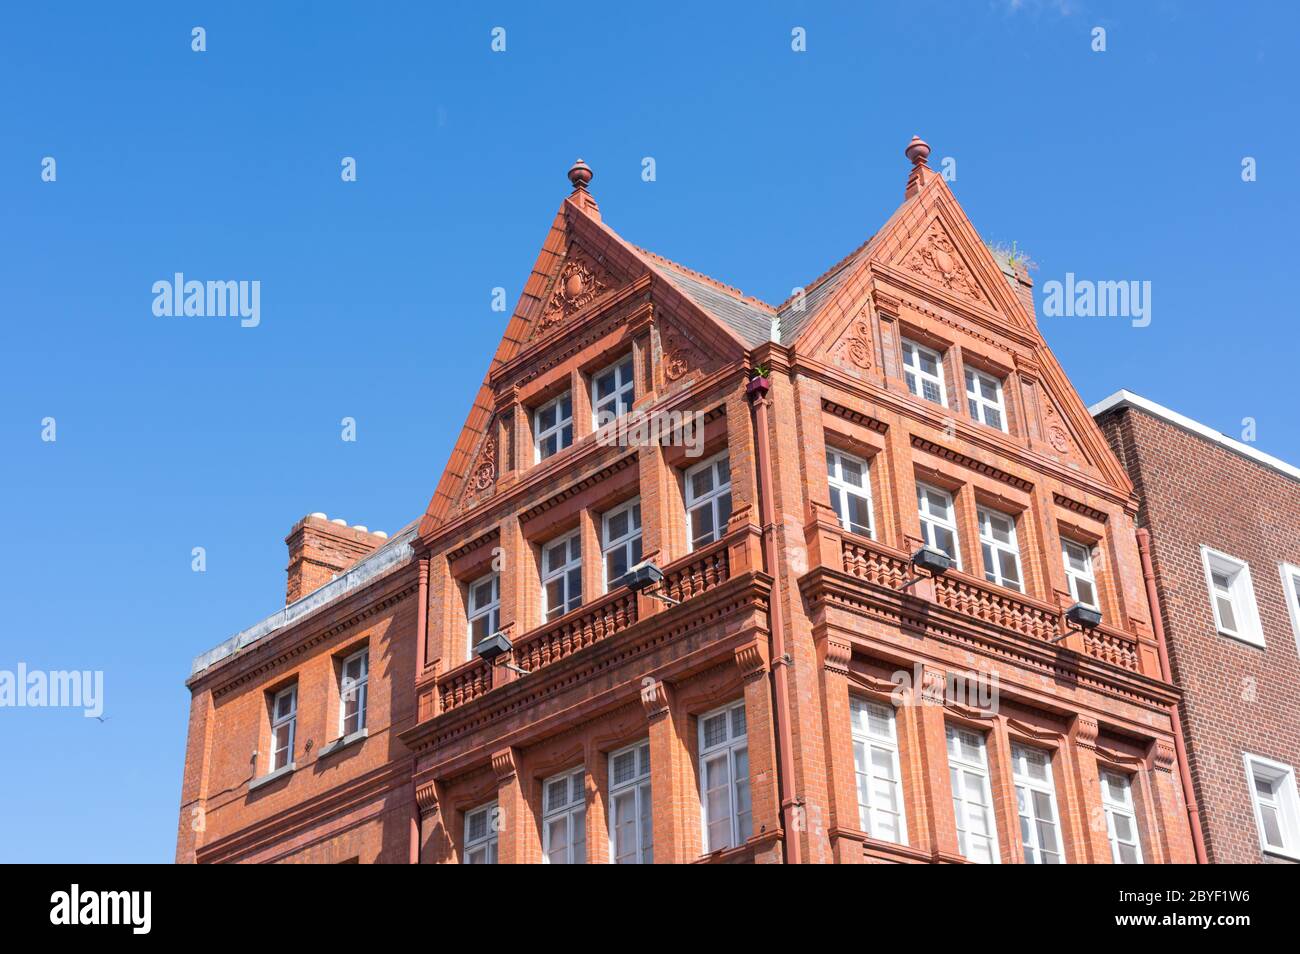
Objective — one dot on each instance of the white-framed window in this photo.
(850, 483)
(481, 826)
(724, 778)
(354, 681)
(484, 609)
(1277, 807)
(998, 545)
(1040, 825)
(1121, 818)
(708, 500)
(972, 797)
(938, 520)
(1291, 587)
(1232, 595)
(561, 576)
(923, 370)
(620, 540)
(612, 392)
(564, 818)
(984, 399)
(875, 763)
(631, 817)
(284, 725)
(1077, 558)
(553, 426)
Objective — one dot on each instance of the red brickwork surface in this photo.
(1238, 697)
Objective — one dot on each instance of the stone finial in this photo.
(918, 151)
(580, 175)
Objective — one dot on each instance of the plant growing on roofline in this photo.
(759, 380)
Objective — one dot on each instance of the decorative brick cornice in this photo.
(1080, 508)
(492, 536)
(281, 826)
(970, 463)
(572, 490)
(854, 417)
(280, 648)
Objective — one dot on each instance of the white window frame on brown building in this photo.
(1228, 581)
(481, 846)
(931, 523)
(717, 499)
(354, 690)
(556, 429)
(1036, 805)
(916, 377)
(1075, 576)
(876, 769)
(624, 548)
(1291, 590)
(1281, 805)
(620, 399)
(564, 818)
(961, 769)
(844, 491)
(983, 408)
(631, 809)
(288, 720)
(489, 612)
(1120, 808)
(566, 573)
(992, 549)
(731, 750)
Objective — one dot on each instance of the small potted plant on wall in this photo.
(758, 380)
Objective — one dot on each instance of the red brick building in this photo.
(1224, 537)
(795, 688)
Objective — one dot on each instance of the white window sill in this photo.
(343, 743)
(1280, 853)
(1257, 642)
(270, 777)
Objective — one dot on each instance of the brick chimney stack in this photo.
(1016, 269)
(320, 549)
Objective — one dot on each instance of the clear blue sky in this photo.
(176, 433)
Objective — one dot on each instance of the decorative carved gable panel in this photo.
(580, 281)
(856, 344)
(935, 258)
(1055, 431)
(483, 476)
(680, 354)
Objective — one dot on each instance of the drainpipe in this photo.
(421, 655)
(415, 819)
(1180, 750)
(757, 391)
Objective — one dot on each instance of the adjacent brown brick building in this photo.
(1224, 524)
(795, 688)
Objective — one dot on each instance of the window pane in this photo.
(724, 509)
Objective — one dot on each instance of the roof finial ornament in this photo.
(580, 176)
(918, 150)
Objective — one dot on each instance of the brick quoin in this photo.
(787, 612)
(1238, 698)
